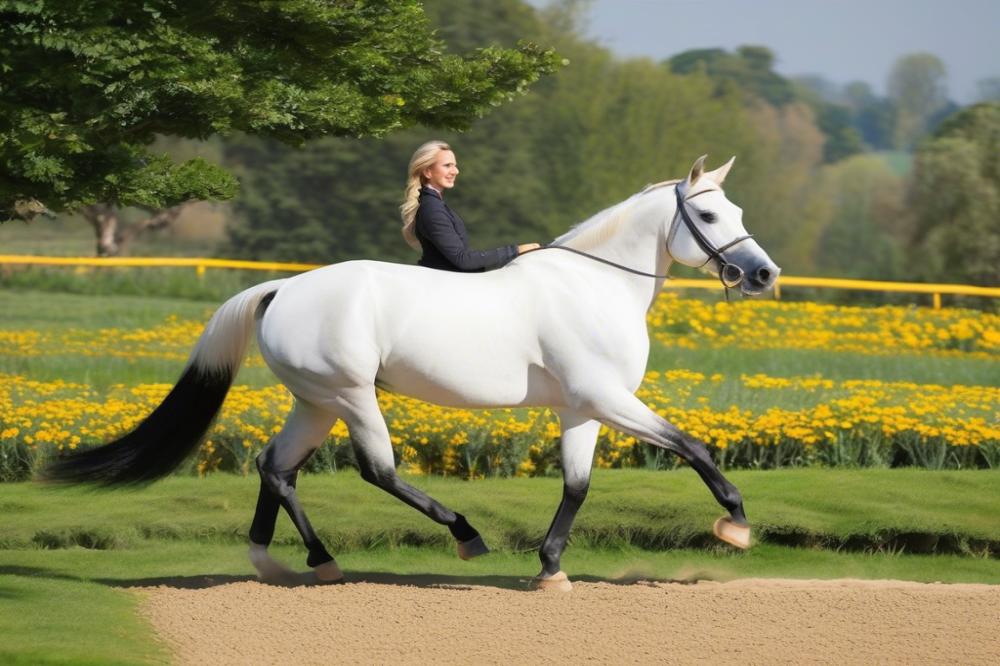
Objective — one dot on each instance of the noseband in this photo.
(730, 275)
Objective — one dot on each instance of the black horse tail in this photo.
(161, 442)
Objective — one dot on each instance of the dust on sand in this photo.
(411, 619)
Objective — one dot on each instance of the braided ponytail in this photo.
(422, 159)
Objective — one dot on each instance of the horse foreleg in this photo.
(625, 412)
(373, 449)
(579, 437)
(278, 465)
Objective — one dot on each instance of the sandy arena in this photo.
(406, 619)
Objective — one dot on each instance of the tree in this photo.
(583, 140)
(751, 72)
(874, 117)
(917, 87)
(749, 69)
(88, 86)
(857, 208)
(955, 194)
(114, 237)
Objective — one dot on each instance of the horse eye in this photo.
(707, 217)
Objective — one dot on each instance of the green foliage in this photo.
(857, 207)
(956, 198)
(749, 70)
(87, 87)
(842, 139)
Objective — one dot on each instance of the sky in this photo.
(841, 40)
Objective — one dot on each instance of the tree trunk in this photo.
(113, 239)
(104, 219)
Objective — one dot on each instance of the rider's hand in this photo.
(521, 249)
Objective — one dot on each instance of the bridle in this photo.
(730, 275)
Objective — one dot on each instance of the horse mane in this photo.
(604, 225)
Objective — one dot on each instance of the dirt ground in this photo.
(408, 619)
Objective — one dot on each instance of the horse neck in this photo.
(639, 244)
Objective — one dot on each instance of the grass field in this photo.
(67, 556)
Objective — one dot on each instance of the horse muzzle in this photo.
(759, 279)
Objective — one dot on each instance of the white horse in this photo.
(552, 329)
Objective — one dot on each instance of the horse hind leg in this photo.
(278, 465)
(373, 450)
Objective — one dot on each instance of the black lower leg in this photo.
(726, 494)
(555, 540)
(264, 518)
(392, 484)
(282, 485)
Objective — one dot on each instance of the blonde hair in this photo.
(422, 160)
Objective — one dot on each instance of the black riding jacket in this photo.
(445, 242)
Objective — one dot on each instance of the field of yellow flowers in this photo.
(748, 419)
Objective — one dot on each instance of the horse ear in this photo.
(696, 170)
(720, 174)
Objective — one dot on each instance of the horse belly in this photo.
(487, 376)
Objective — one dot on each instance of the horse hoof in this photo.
(558, 582)
(268, 569)
(328, 572)
(472, 548)
(731, 533)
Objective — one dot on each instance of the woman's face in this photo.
(442, 175)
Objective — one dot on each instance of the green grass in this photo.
(72, 236)
(47, 311)
(904, 509)
(214, 287)
(62, 602)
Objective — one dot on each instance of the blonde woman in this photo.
(430, 226)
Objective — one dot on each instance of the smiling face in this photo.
(441, 176)
(720, 223)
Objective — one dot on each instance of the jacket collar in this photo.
(426, 189)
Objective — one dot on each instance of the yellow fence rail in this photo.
(201, 264)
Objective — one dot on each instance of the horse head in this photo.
(706, 232)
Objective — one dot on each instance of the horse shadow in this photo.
(351, 577)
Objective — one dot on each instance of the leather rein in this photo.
(730, 275)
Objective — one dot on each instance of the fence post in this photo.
(777, 291)
(200, 270)
(937, 301)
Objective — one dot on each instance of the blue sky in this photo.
(842, 40)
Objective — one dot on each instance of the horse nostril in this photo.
(763, 275)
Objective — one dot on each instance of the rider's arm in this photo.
(434, 224)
